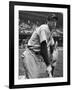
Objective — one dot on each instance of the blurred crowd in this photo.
(26, 30)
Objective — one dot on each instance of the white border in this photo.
(16, 54)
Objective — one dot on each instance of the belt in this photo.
(37, 53)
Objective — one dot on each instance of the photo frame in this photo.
(23, 13)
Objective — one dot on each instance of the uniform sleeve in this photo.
(44, 53)
(42, 36)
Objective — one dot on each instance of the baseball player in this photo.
(37, 57)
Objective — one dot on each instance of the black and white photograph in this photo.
(40, 44)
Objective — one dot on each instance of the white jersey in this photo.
(41, 34)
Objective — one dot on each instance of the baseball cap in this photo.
(52, 17)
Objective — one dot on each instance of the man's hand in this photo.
(49, 69)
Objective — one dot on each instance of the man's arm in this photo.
(44, 49)
(44, 52)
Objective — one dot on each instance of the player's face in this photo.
(52, 24)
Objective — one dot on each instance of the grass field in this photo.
(58, 72)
